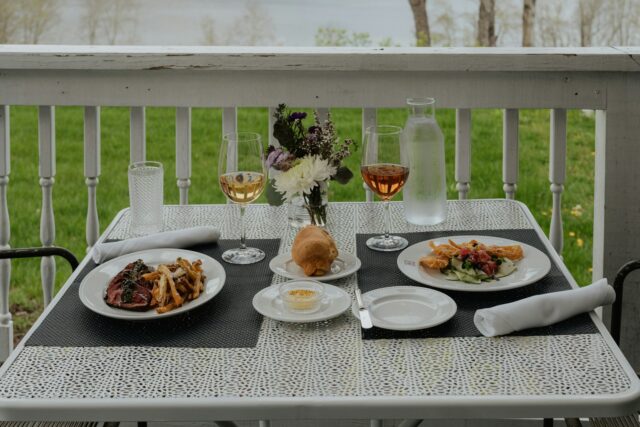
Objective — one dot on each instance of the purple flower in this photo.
(272, 158)
(297, 116)
(278, 159)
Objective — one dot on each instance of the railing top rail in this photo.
(64, 57)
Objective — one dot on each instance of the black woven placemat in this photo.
(379, 270)
(227, 321)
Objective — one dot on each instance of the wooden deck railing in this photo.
(603, 79)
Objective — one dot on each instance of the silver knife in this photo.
(363, 312)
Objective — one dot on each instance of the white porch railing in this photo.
(603, 79)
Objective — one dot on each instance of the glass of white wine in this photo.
(242, 179)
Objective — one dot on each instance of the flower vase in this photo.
(310, 208)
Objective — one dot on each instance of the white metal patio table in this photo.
(325, 370)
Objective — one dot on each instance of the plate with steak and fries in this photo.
(152, 284)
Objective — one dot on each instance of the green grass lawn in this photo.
(70, 191)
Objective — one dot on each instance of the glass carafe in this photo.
(425, 193)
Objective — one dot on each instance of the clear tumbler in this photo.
(146, 197)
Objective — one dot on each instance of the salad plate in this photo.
(407, 308)
(532, 267)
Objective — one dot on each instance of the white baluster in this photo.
(230, 125)
(369, 118)
(137, 134)
(47, 172)
(510, 152)
(6, 324)
(463, 152)
(92, 171)
(183, 152)
(557, 173)
(323, 114)
(272, 140)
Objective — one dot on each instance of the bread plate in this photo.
(344, 265)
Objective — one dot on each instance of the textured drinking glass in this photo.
(384, 169)
(242, 173)
(146, 197)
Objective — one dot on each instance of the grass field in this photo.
(70, 191)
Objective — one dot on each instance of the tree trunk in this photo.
(588, 9)
(528, 19)
(487, 23)
(421, 20)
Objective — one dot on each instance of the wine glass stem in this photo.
(243, 237)
(387, 219)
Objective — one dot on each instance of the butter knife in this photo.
(363, 312)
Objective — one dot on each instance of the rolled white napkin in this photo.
(542, 310)
(168, 239)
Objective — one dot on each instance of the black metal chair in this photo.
(39, 252)
(630, 420)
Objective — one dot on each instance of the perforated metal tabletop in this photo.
(326, 369)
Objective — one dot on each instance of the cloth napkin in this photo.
(542, 310)
(168, 239)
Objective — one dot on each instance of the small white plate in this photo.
(344, 265)
(533, 267)
(94, 285)
(407, 308)
(268, 303)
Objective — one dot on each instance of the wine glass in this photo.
(242, 173)
(385, 170)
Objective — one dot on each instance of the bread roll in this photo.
(314, 250)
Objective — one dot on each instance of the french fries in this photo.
(175, 284)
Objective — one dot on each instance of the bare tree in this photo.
(444, 30)
(8, 20)
(507, 27)
(93, 17)
(421, 21)
(253, 28)
(486, 35)
(623, 22)
(552, 25)
(588, 10)
(208, 31)
(35, 18)
(120, 19)
(528, 22)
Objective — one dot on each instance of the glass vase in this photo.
(310, 208)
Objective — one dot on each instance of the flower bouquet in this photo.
(305, 161)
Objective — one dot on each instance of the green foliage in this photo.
(333, 36)
(70, 197)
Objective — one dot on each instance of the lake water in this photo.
(295, 22)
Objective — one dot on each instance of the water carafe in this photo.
(425, 193)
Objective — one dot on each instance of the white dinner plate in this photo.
(407, 308)
(334, 302)
(533, 267)
(94, 285)
(344, 265)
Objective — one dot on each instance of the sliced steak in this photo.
(127, 290)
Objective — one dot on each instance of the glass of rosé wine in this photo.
(385, 170)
